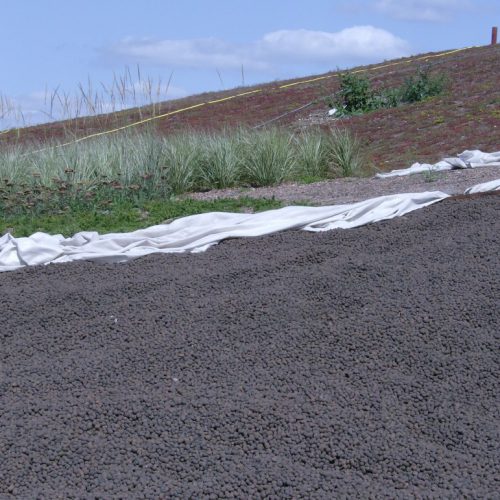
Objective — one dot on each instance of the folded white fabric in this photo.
(198, 232)
(467, 159)
(485, 187)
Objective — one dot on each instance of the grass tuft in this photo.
(85, 182)
(269, 158)
(347, 158)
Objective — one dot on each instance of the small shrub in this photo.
(422, 85)
(355, 93)
(391, 98)
(357, 96)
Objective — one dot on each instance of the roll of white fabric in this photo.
(467, 159)
(485, 187)
(196, 233)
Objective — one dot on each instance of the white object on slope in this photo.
(467, 159)
(485, 187)
(198, 232)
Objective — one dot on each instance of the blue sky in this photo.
(199, 45)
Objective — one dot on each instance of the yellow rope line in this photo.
(97, 134)
(234, 96)
(304, 81)
(422, 58)
(170, 113)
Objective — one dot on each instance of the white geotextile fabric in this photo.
(467, 159)
(198, 232)
(485, 187)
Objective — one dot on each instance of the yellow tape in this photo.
(406, 61)
(233, 96)
(97, 134)
(215, 101)
(304, 81)
(249, 92)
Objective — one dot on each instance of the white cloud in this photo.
(359, 42)
(195, 53)
(356, 44)
(421, 10)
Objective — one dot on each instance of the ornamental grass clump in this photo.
(221, 161)
(312, 155)
(140, 167)
(345, 154)
(269, 157)
(182, 158)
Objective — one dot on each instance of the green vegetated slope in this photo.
(131, 178)
(466, 116)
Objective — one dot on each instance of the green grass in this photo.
(346, 154)
(126, 181)
(125, 216)
(174, 164)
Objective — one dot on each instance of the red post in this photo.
(494, 31)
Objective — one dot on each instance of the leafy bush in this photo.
(357, 96)
(423, 85)
(355, 93)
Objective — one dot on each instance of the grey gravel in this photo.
(353, 189)
(348, 364)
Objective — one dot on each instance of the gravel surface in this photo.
(356, 363)
(352, 189)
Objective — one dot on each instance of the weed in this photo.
(430, 175)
